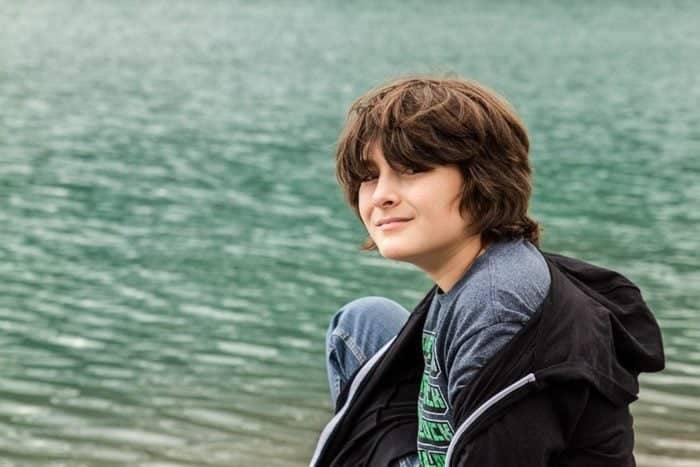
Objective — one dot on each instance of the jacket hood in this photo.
(612, 335)
(635, 334)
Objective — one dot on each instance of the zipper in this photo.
(354, 387)
(527, 379)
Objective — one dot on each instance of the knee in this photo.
(363, 310)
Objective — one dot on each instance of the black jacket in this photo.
(557, 395)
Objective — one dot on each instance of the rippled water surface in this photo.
(172, 240)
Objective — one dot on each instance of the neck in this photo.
(447, 271)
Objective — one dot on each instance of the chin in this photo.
(396, 253)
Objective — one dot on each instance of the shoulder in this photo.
(506, 284)
(520, 278)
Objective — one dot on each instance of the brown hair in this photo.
(422, 122)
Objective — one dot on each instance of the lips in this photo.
(389, 220)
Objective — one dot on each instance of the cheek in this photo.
(441, 206)
(363, 205)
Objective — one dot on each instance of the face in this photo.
(413, 216)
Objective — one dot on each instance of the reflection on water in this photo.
(174, 243)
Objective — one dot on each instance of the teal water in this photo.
(172, 240)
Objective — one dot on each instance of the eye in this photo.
(413, 170)
(368, 178)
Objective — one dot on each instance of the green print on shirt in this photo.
(432, 401)
(431, 397)
(434, 432)
(431, 459)
(429, 354)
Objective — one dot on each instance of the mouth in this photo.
(390, 220)
(392, 223)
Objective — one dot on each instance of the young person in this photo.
(515, 357)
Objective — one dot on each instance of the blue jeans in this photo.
(356, 332)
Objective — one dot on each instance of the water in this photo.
(173, 241)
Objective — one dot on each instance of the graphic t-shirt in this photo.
(467, 326)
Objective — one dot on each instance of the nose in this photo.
(385, 192)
